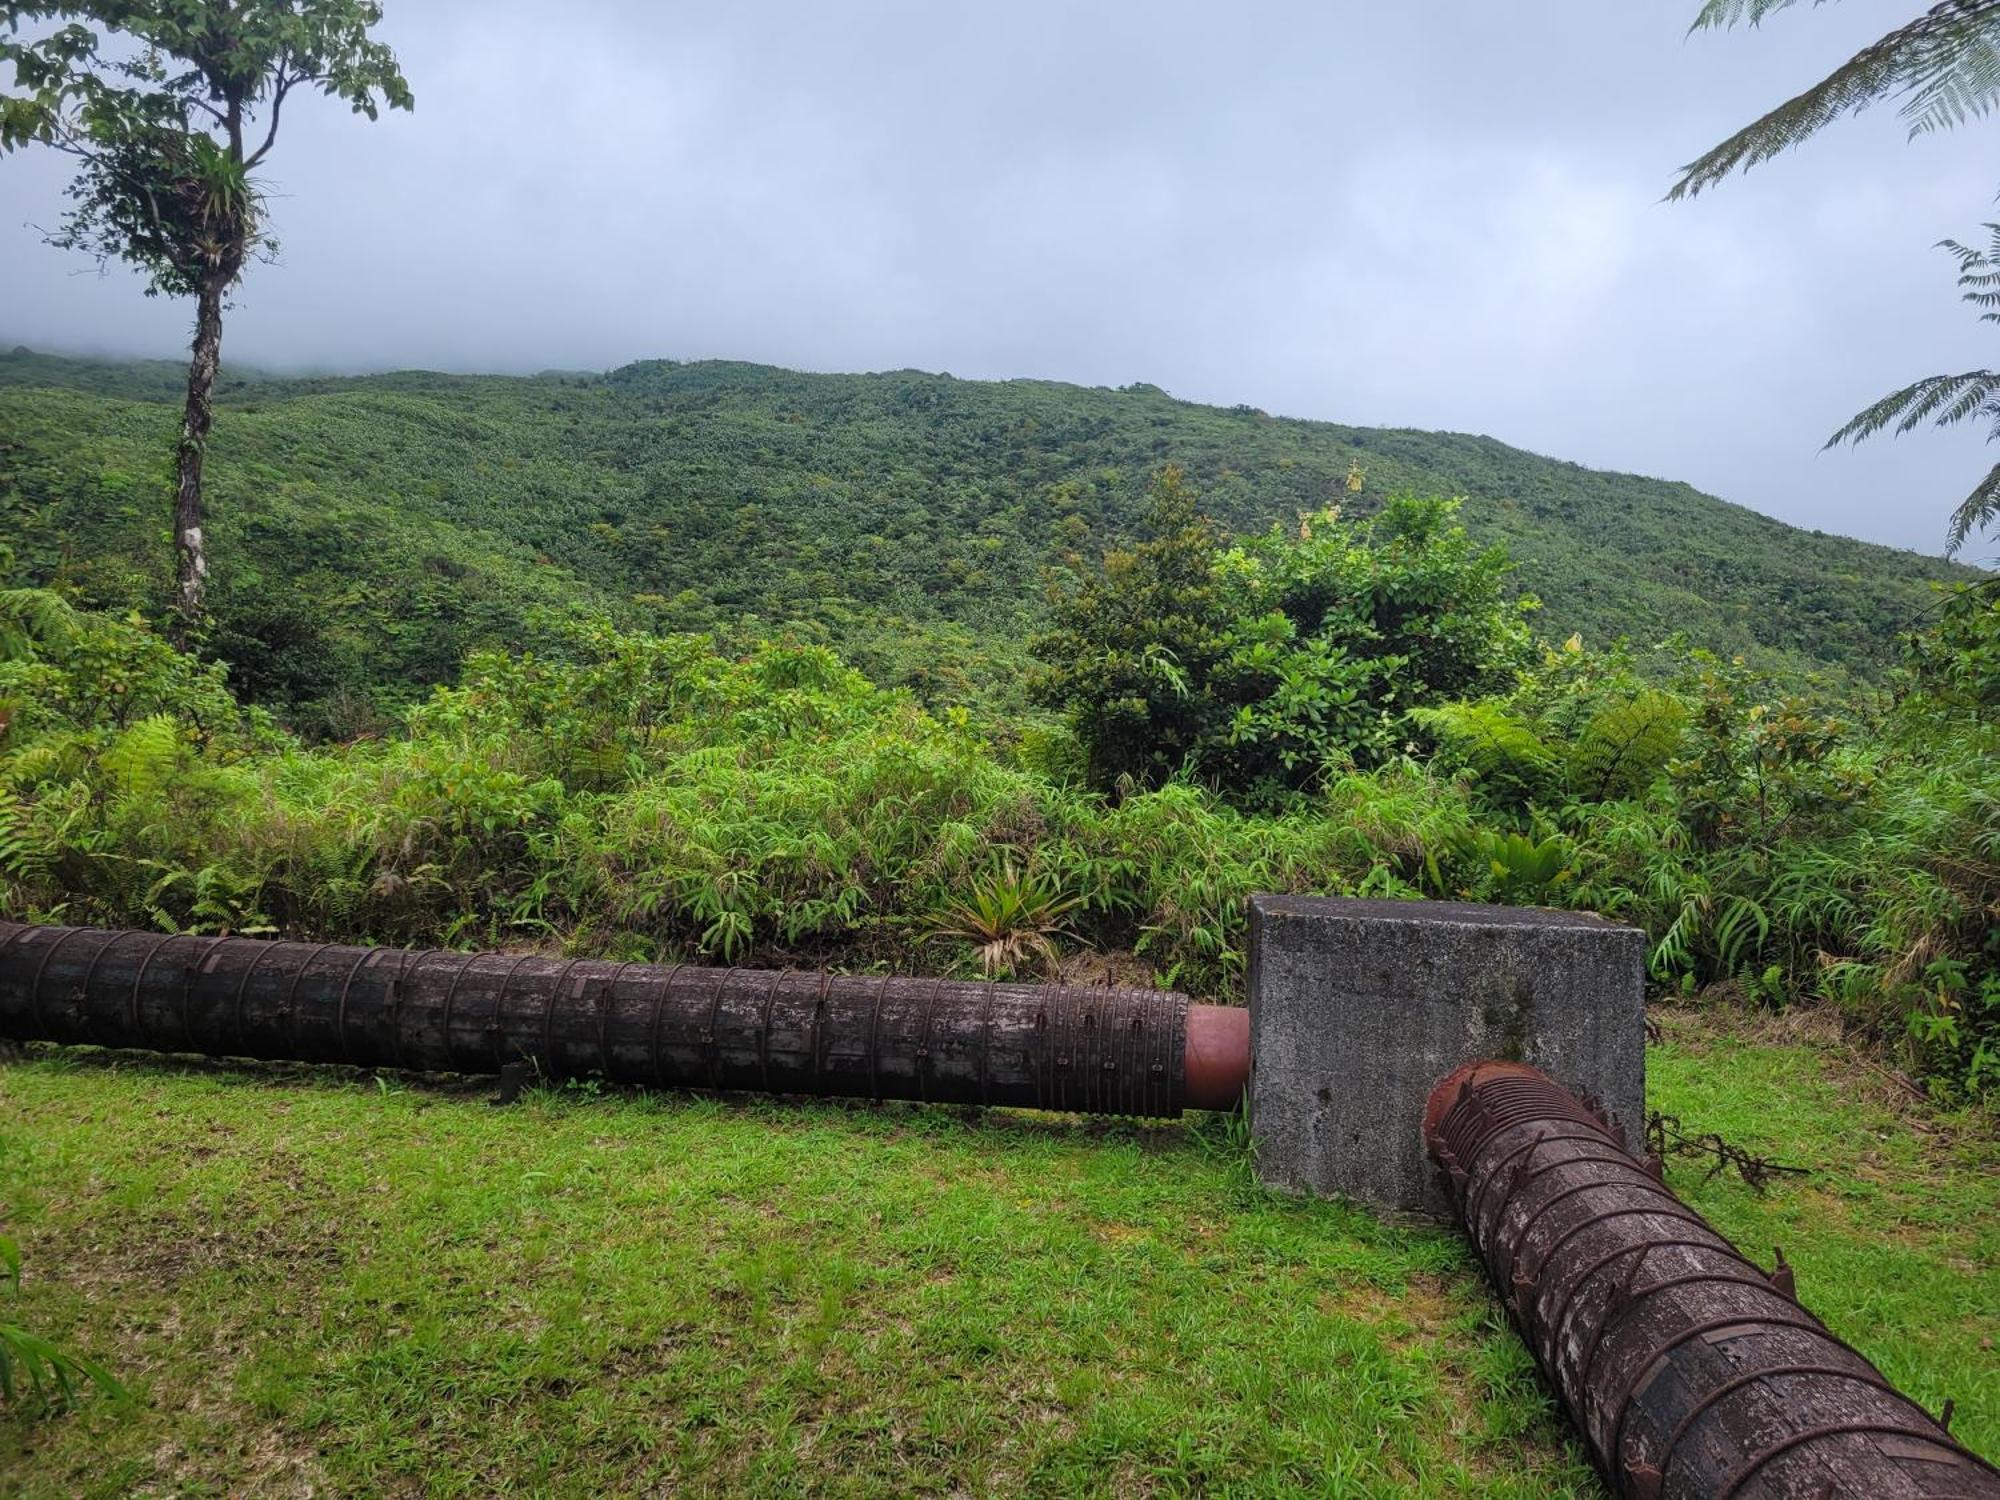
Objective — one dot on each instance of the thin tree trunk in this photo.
(190, 545)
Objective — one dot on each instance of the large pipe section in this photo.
(1098, 1050)
(1693, 1374)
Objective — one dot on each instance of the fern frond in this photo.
(1979, 272)
(1979, 509)
(1908, 407)
(26, 855)
(1732, 12)
(144, 757)
(1976, 265)
(1960, 91)
(31, 618)
(1498, 747)
(1625, 745)
(1945, 65)
(1944, 400)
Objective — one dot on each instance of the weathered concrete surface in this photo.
(1358, 1008)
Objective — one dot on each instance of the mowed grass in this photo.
(320, 1283)
(1895, 1235)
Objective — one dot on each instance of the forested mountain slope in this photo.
(368, 529)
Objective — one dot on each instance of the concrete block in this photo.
(1358, 1008)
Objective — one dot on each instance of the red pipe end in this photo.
(1217, 1065)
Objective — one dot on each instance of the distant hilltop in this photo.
(392, 520)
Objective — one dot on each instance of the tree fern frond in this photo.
(25, 855)
(1945, 64)
(1944, 400)
(1967, 89)
(1973, 398)
(1985, 262)
(1625, 745)
(1913, 403)
(1731, 12)
(1979, 509)
(32, 617)
(144, 757)
(1501, 749)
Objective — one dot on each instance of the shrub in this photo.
(1263, 668)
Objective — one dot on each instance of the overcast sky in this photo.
(1440, 214)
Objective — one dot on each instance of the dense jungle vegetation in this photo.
(369, 532)
(1340, 703)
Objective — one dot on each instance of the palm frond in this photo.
(1944, 65)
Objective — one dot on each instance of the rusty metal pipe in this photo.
(1691, 1372)
(1113, 1051)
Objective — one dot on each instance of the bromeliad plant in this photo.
(1518, 868)
(1010, 916)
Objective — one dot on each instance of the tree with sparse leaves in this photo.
(1944, 68)
(169, 107)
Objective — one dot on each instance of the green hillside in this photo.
(368, 530)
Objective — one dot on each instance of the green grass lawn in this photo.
(320, 1284)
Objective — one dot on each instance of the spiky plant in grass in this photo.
(1009, 916)
(31, 1366)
